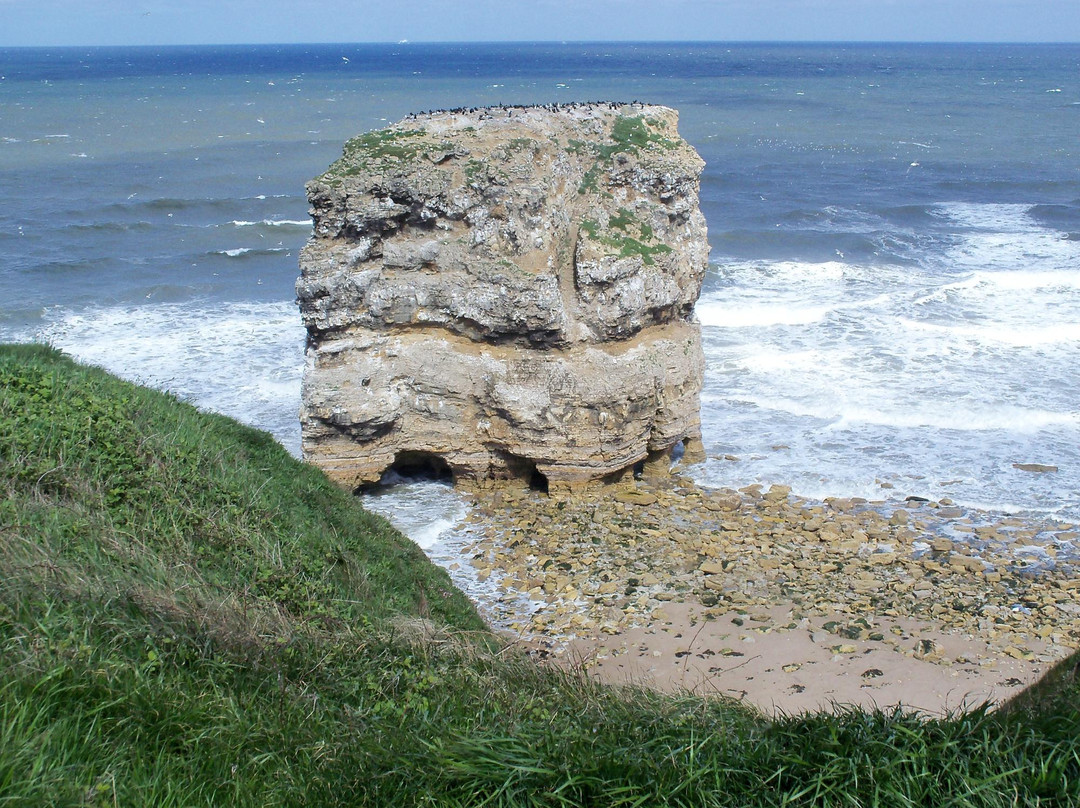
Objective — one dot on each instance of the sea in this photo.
(892, 306)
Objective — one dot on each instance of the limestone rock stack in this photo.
(505, 293)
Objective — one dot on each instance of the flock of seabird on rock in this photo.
(486, 112)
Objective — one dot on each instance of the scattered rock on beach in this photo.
(599, 563)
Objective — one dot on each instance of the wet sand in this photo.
(780, 669)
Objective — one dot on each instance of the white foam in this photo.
(793, 293)
(244, 360)
(1019, 337)
(770, 361)
(424, 510)
(299, 223)
(997, 217)
(841, 413)
(427, 535)
(1006, 236)
(717, 314)
(993, 283)
(950, 370)
(790, 270)
(240, 252)
(901, 387)
(1022, 280)
(947, 415)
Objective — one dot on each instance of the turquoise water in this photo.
(894, 295)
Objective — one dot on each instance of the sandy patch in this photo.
(783, 663)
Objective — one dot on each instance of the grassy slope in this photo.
(188, 616)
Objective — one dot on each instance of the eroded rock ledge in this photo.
(505, 293)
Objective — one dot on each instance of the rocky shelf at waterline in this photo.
(600, 563)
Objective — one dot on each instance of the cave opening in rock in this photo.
(412, 465)
(522, 468)
(537, 481)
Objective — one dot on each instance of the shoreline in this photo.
(787, 603)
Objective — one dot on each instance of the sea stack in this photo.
(505, 293)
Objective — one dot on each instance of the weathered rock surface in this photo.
(503, 292)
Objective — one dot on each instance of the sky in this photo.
(176, 22)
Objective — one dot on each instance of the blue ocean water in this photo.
(893, 306)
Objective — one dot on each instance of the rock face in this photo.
(505, 293)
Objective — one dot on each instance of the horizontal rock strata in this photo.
(505, 293)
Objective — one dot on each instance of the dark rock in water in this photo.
(1036, 468)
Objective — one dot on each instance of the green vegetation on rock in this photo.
(189, 616)
(623, 243)
(629, 135)
(634, 133)
(622, 219)
(375, 150)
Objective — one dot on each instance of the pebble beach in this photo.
(786, 603)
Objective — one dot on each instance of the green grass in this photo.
(634, 133)
(188, 617)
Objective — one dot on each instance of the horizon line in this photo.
(407, 42)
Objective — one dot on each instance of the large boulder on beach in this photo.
(505, 293)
